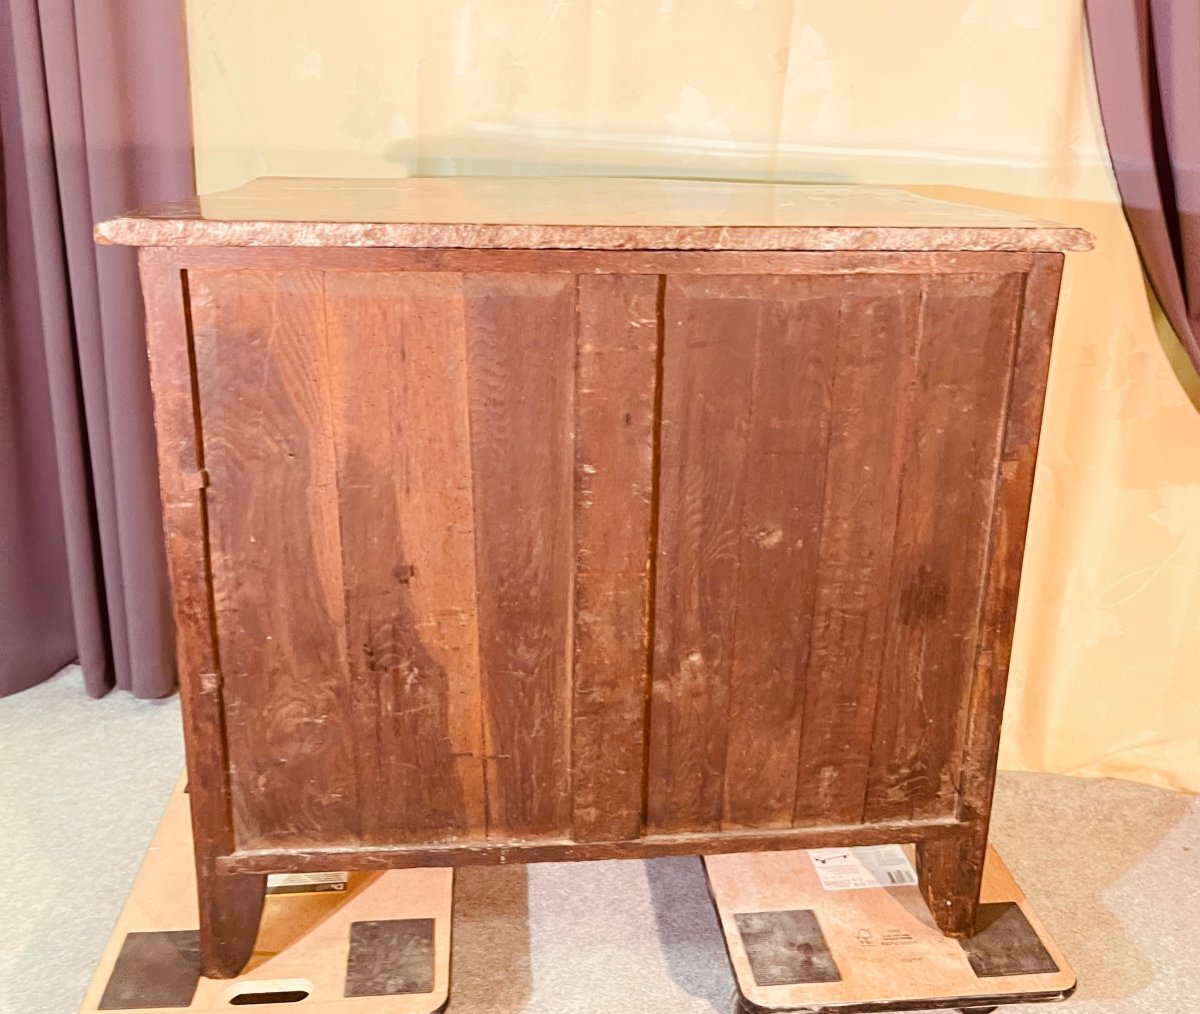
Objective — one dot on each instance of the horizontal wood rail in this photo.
(356, 857)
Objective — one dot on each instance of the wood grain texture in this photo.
(1006, 548)
(792, 324)
(185, 529)
(649, 846)
(708, 376)
(951, 869)
(431, 513)
(229, 904)
(521, 334)
(262, 374)
(950, 463)
(950, 874)
(397, 373)
(615, 389)
(878, 338)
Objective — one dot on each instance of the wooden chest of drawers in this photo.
(526, 520)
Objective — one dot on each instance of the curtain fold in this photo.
(1147, 61)
(94, 114)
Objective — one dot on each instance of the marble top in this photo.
(580, 213)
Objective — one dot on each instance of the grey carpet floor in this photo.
(1112, 867)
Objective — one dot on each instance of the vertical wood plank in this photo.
(708, 367)
(229, 905)
(398, 381)
(1007, 546)
(262, 375)
(616, 383)
(779, 539)
(181, 487)
(521, 333)
(951, 457)
(878, 339)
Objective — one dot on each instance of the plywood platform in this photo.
(797, 946)
(381, 945)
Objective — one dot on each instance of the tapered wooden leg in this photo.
(230, 908)
(951, 873)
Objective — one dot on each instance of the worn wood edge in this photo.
(181, 488)
(583, 262)
(1005, 553)
(616, 370)
(231, 905)
(745, 1006)
(993, 340)
(133, 230)
(353, 857)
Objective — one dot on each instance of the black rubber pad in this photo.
(786, 948)
(1005, 944)
(154, 970)
(390, 957)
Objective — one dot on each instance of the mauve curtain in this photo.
(1147, 59)
(93, 121)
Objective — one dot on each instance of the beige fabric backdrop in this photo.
(986, 101)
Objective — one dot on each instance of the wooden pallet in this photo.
(383, 943)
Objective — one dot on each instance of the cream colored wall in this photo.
(727, 88)
(988, 101)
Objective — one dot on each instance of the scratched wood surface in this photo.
(447, 482)
(708, 375)
(878, 335)
(397, 372)
(498, 555)
(778, 543)
(262, 373)
(739, 511)
(830, 459)
(397, 663)
(229, 905)
(951, 870)
(616, 385)
(951, 461)
(520, 358)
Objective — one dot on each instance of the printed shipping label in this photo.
(855, 869)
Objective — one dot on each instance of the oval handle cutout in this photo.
(278, 991)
